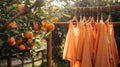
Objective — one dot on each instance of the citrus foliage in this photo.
(25, 34)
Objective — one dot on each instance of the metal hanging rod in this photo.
(116, 24)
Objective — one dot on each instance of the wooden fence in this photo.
(31, 60)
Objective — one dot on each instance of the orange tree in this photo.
(22, 23)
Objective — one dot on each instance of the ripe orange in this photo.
(43, 23)
(12, 25)
(28, 35)
(35, 26)
(22, 47)
(20, 7)
(50, 27)
(42, 28)
(11, 41)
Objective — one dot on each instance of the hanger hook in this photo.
(101, 14)
(109, 9)
(97, 14)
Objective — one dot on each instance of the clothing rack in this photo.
(85, 9)
(49, 42)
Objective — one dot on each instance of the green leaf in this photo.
(14, 5)
(66, 15)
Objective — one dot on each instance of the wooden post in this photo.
(49, 51)
(42, 56)
(33, 62)
(9, 61)
(22, 62)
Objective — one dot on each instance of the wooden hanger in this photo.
(84, 19)
(109, 19)
(74, 19)
(80, 18)
(92, 20)
(97, 20)
(89, 19)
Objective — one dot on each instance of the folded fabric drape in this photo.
(91, 44)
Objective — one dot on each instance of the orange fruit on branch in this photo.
(43, 23)
(35, 26)
(50, 27)
(28, 35)
(22, 47)
(20, 7)
(11, 41)
(12, 25)
(42, 28)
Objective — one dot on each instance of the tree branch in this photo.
(25, 10)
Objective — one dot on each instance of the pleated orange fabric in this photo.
(70, 47)
(113, 42)
(102, 55)
(81, 41)
(76, 63)
(90, 45)
(86, 58)
(97, 33)
(69, 52)
(92, 39)
(113, 48)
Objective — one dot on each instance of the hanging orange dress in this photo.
(81, 41)
(69, 52)
(114, 58)
(87, 53)
(102, 51)
(115, 50)
(96, 39)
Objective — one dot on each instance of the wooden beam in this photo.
(49, 51)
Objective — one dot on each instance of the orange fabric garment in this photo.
(75, 63)
(70, 45)
(97, 33)
(81, 41)
(86, 58)
(92, 39)
(88, 46)
(69, 52)
(114, 52)
(102, 55)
